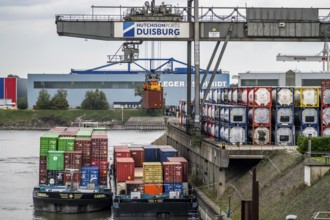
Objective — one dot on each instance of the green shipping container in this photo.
(66, 143)
(55, 160)
(99, 129)
(87, 134)
(48, 141)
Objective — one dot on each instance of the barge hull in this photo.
(165, 208)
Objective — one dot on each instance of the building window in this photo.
(259, 82)
(248, 82)
(85, 85)
(311, 82)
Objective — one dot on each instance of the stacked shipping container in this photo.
(150, 171)
(73, 157)
(325, 108)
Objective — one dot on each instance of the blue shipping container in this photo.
(89, 175)
(151, 153)
(2, 88)
(173, 187)
(164, 153)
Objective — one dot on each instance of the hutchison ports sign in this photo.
(151, 30)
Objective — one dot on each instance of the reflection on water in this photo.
(19, 162)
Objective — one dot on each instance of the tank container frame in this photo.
(277, 91)
(302, 104)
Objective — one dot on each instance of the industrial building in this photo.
(118, 86)
(289, 78)
(11, 90)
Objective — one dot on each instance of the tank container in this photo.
(230, 96)
(284, 117)
(244, 96)
(217, 113)
(235, 96)
(325, 98)
(307, 116)
(222, 113)
(213, 112)
(224, 96)
(326, 132)
(234, 135)
(214, 95)
(260, 135)
(283, 96)
(235, 115)
(260, 116)
(55, 160)
(222, 133)
(259, 96)
(326, 116)
(307, 131)
(284, 136)
(218, 96)
(306, 97)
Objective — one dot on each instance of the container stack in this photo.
(259, 113)
(325, 108)
(150, 171)
(74, 157)
(231, 124)
(307, 111)
(183, 113)
(283, 105)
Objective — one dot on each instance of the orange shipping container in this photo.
(153, 189)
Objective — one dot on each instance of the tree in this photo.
(95, 100)
(43, 101)
(59, 100)
(12, 76)
(139, 90)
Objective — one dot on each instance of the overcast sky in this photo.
(29, 42)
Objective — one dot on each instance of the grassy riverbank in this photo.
(67, 117)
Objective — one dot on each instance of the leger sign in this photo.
(151, 29)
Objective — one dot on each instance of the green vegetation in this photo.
(95, 100)
(43, 101)
(59, 101)
(65, 116)
(319, 144)
(22, 103)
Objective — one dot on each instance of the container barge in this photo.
(73, 171)
(151, 181)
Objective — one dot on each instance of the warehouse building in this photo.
(118, 86)
(12, 89)
(289, 78)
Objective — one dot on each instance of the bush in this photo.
(22, 103)
(43, 101)
(59, 101)
(95, 100)
(318, 144)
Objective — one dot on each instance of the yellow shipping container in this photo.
(307, 97)
(152, 172)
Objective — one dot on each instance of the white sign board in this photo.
(130, 29)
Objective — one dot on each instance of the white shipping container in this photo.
(326, 96)
(284, 96)
(284, 116)
(326, 116)
(284, 136)
(260, 115)
(262, 96)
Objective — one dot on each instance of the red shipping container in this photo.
(72, 160)
(121, 152)
(138, 156)
(153, 189)
(184, 164)
(172, 172)
(152, 99)
(43, 170)
(10, 91)
(84, 145)
(76, 176)
(124, 169)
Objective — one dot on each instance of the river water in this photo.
(19, 164)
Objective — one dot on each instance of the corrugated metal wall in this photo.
(11, 89)
(2, 87)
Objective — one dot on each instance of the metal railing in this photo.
(208, 14)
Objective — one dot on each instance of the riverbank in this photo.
(114, 119)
